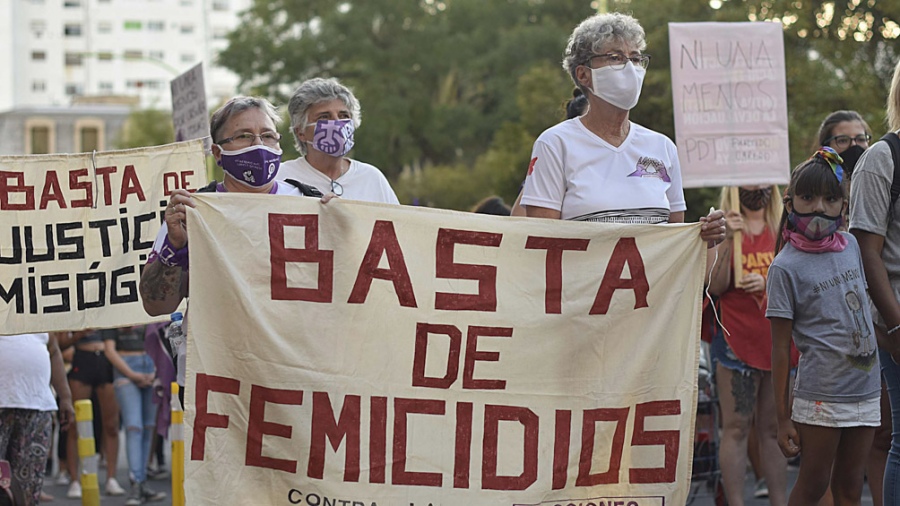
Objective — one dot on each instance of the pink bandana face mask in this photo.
(334, 137)
(815, 226)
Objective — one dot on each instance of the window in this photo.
(74, 59)
(72, 30)
(40, 136)
(104, 27)
(187, 58)
(156, 26)
(134, 54)
(187, 29)
(105, 86)
(38, 27)
(157, 55)
(38, 55)
(220, 33)
(73, 89)
(133, 25)
(134, 84)
(220, 5)
(104, 56)
(40, 140)
(89, 134)
(90, 139)
(38, 86)
(187, 3)
(71, 3)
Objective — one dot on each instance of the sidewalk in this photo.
(161, 485)
(704, 497)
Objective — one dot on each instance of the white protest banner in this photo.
(730, 103)
(75, 230)
(189, 113)
(359, 354)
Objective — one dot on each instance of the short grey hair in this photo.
(315, 91)
(238, 105)
(593, 33)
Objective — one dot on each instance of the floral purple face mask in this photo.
(815, 226)
(254, 165)
(334, 137)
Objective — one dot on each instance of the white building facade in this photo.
(57, 52)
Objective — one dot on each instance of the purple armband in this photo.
(170, 256)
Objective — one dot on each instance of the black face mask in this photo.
(754, 200)
(850, 156)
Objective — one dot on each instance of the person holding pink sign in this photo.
(601, 167)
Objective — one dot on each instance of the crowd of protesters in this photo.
(831, 403)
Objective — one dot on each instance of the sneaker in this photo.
(150, 495)
(761, 489)
(157, 473)
(62, 479)
(134, 496)
(74, 490)
(113, 487)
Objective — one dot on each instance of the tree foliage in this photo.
(454, 92)
(147, 127)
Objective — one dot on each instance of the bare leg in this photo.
(819, 447)
(737, 399)
(849, 465)
(774, 465)
(80, 391)
(109, 408)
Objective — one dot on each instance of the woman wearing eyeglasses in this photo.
(847, 133)
(246, 146)
(602, 167)
(324, 117)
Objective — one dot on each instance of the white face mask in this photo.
(621, 88)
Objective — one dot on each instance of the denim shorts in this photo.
(723, 354)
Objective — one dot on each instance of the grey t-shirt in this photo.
(870, 208)
(825, 296)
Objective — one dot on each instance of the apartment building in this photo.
(56, 53)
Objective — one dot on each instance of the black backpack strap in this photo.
(893, 141)
(305, 189)
(210, 188)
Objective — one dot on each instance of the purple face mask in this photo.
(334, 137)
(815, 226)
(254, 165)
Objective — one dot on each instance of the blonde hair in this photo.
(772, 215)
(893, 102)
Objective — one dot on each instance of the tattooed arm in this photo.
(162, 288)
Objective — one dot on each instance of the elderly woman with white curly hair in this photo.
(324, 116)
(602, 167)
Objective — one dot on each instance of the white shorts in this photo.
(837, 414)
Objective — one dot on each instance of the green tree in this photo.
(147, 127)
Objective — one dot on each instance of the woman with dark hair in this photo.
(848, 134)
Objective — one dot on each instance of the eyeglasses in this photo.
(337, 188)
(843, 141)
(618, 60)
(246, 139)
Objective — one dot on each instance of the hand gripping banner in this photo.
(367, 354)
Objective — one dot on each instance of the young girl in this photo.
(817, 294)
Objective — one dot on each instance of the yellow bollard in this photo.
(176, 435)
(90, 489)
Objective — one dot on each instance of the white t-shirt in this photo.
(25, 372)
(361, 182)
(576, 172)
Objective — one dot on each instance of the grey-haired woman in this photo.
(600, 166)
(324, 117)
